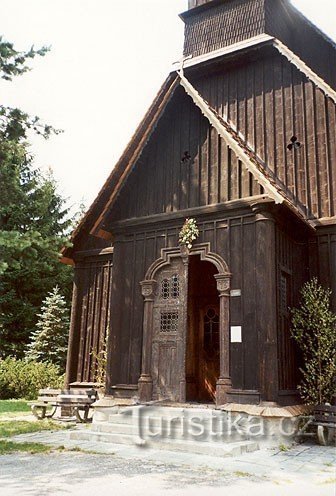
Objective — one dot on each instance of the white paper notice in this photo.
(236, 334)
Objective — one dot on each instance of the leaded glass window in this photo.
(169, 322)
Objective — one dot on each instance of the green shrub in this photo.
(23, 379)
(314, 329)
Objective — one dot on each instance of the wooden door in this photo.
(169, 332)
(209, 369)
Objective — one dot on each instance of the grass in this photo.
(13, 407)
(12, 424)
(238, 473)
(283, 448)
(10, 428)
(8, 447)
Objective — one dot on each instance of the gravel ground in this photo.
(127, 470)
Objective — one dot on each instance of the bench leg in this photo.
(85, 419)
(39, 411)
(325, 435)
(51, 413)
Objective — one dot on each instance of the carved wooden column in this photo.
(146, 382)
(224, 383)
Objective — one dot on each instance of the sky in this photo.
(107, 61)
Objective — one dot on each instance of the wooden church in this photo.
(242, 138)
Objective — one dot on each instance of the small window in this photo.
(175, 286)
(165, 289)
(169, 322)
(211, 332)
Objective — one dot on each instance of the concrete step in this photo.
(205, 448)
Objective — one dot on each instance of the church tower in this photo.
(213, 25)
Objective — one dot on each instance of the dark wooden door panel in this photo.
(169, 333)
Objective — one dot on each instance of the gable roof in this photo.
(91, 222)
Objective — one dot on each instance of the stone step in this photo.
(197, 447)
(132, 414)
(164, 431)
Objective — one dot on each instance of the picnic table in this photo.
(79, 401)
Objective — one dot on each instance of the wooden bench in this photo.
(46, 399)
(79, 401)
(325, 420)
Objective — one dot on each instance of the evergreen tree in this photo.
(49, 341)
(34, 221)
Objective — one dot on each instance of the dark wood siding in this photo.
(323, 259)
(161, 182)
(269, 101)
(292, 273)
(134, 251)
(93, 276)
(288, 25)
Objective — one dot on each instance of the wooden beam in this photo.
(302, 67)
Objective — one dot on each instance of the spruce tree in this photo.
(34, 221)
(49, 341)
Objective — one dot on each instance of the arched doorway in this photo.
(170, 337)
(203, 339)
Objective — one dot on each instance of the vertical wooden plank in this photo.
(321, 134)
(280, 145)
(116, 316)
(269, 114)
(89, 322)
(220, 94)
(232, 97)
(289, 125)
(84, 298)
(175, 159)
(106, 276)
(331, 144)
(249, 304)
(236, 349)
(204, 181)
(184, 147)
(299, 155)
(259, 111)
(224, 165)
(234, 178)
(195, 136)
(96, 320)
(241, 101)
(245, 182)
(213, 166)
(310, 145)
(250, 126)
(225, 108)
